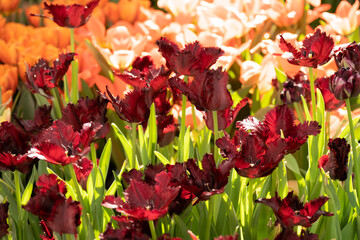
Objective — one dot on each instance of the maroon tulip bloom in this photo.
(229, 237)
(165, 129)
(4, 208)
(148, 78)
(168, 237)
(60, 144)
(191, 60)
(50, 204)
(133, 108)
(281, 120)
(87, 111)
(71, 16)
(15, 140)
(48, 232)
(289, 234)
(345, 83)
(150, 81)
(331, 103)
(315, 51)
(291, 212)
(294, 87)
(225, 117)
(336, 161)
(179, 177)
(144, 201)
(42, 77)
(162, 103)
(207, 91)
(14, 147)
(348, 56)
(258, 157)
(122, 233)
(42, 120)
(211, 180)
(143, 63)
(83, 168)
(128, 228)
(149, 175)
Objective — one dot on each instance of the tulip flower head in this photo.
(61, 214)
(345, 83)
(291, 212)
(336, 161)
(71, 16)
(315, 51)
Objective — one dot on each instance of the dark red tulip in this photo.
(225, 117)
(345, 83)
(87, 111)
(336, 161)
(60, 214)
(207, 91)
(294, 87)
(143, 201)
(289, 234)
(48, 232)
(165, 129)
(331, 103)
(83, 168)
(208, 181)
(315, 51)
(258, 157)
(122, 233)
(71, 16)
(133, 108)
(348, 55)
(42, 77)
(191, 60)
(42, 120)
(61, 144)
(281, 120)
(291, 212)
(14, 149)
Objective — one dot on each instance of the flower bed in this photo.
(179, 120)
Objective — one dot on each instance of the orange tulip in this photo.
(7, 6)
(346, 18)
(253, 73)
(287, 14)
(8, 81)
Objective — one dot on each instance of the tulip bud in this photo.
(345, 83)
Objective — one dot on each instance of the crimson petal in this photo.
(336, 161)
(71, 16)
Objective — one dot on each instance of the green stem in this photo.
(133, 145)
(152, 134)
(299, 113)
(312, 89)
(216, 136)
(17, 190)
(76, 184)
(74, 67)
(66, 90)
(353, 146)
(182, 127)
(57, 103)
(209, 219)
(152, 230)
(250, 207)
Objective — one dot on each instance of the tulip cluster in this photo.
(199, 109)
